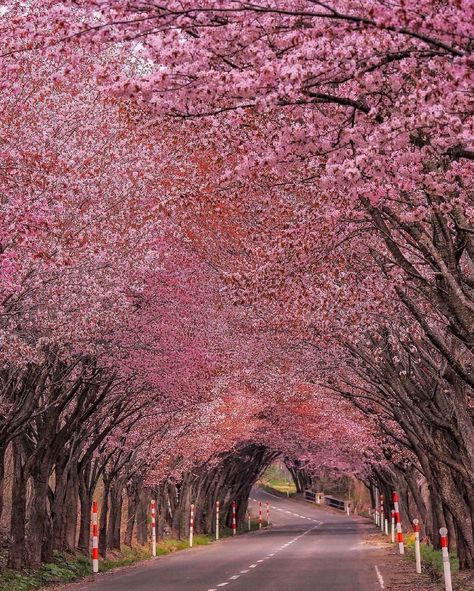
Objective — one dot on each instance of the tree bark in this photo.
(104, 512)
(115, 517)
(142, 516)
(3, 450)
(132, 504)
(17, 549)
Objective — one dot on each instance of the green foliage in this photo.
(279, 490)
(430, 556)
(276, 479)
(63, 569)
(67, 568)
(168, 546)
(126, 557)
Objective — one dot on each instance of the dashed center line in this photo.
(380, 578)
(245, 571)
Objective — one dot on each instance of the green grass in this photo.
(277, 480)
(430, 556)
(69, 568)
(61, 570)
(276, 488)
(226, 532)
(168, 546)
(65, 569)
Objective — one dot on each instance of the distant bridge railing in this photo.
(313, 497)
(335, 503)
(319, 498)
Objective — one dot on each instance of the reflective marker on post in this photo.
(248, 518)
(386, 526)
(393, 526)
(95, 539)
(416, 527)
(260, 515)
(234, 521)
(217, 520)
(153, 528)
(446, 564)
(191, 527)
(268, 514)
(401, 546)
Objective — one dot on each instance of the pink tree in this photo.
(341, 135)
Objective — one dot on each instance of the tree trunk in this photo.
(104, 511)
(17, 549)
(40, 524)
(132, 504)
(2, 478)
(85, 501)
(115, 517)
(142, 516)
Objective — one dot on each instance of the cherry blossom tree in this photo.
(324, 189)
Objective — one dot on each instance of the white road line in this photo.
(380, 578)
(270, 495)
(245, 571)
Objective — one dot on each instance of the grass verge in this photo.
(277, 480)
(432, 563)
(430, 557)
(63, 569)
(67, 568)
(279, 492)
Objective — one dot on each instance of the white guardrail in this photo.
(320, 498)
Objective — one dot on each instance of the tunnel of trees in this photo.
(230, 234)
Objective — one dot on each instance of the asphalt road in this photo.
(305, 549)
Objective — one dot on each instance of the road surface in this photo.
(306, 549)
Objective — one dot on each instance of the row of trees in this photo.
(125, 372)
(271, 250)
